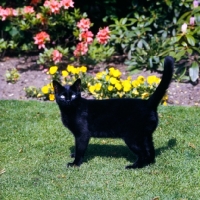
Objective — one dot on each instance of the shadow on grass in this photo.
(118, 151)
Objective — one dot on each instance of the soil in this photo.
(32, 74)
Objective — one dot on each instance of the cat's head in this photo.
(66, 95)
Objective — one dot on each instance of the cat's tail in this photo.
(160, 91)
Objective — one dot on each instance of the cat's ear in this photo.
(77, 85)
(58, 88)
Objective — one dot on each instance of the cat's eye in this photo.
(73, 96)
(62, 97)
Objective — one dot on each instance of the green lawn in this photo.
(35, 148)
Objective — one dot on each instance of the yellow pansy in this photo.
(127, 85)
(65, 73)
(83, 69)
(118, 86)
(110, 88)
(45, 89)
(75, 70)
(111, 71)
(99, 75)
(153, 80)
(129, 78)
(141, 79)
(107, 77)
(120, 94)
(92, 89)
(98, 86)
(135, 92)
(164, 103)
(116, 73)
(53, 70)
(70, 68)
(51, 97)
(113, 80)
(165, 98)
(135, 83)
(145, 95)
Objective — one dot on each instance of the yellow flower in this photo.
(113, 80)
(107, 77)
(51, 97)
(141, 79)
(65, 73)
(75, 70)
(99, 75)
(83, 69)
(116, 73)
(53, 70)
(127, 85)
(50, 86)
(120, 94)
(70, 68)
(110, 88)
(111, 71)
(135, 83)
(145, 95)
(153, 80)
(165, 98)
(39, 95)
(45, 89)
(118, 86)
(164, 103)
(129, 78)
(92, 89)
(97, 86)
(135, 92)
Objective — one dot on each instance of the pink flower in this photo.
(56, 56)
(67, 3)
(41, 38)
(8, 12)
(41, 18)
(103, 35)
(53, 5)
(3, 13)
(84, 24)
(86, 36)
(195, 3)
(11, 12)
(28, 10)
(81, 49)
(192, 21)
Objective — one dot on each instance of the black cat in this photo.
(133, 120)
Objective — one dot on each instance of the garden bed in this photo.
(32, 74)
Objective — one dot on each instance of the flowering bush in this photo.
(104, 85)
(109, 84)
(12, 75)
(145, 32)
(66, 76)
(54, 27)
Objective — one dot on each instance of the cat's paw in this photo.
(134, 166)
(71, 165)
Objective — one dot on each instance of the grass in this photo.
(35, 147)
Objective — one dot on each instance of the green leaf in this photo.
(190, 39)
(194, 71)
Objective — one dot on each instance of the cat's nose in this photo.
(68, 102)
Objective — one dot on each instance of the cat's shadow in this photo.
(119, 151)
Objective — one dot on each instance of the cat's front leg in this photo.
(81, 144)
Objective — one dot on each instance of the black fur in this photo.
(133, 120)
